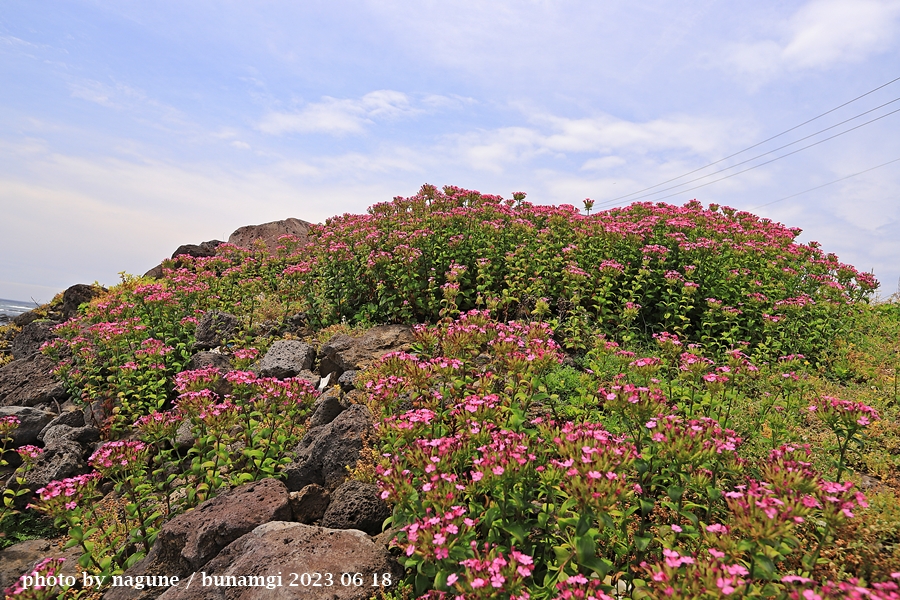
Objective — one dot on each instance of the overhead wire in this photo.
(786, 131)
(818, 187)
(743, 162)
(762, 164)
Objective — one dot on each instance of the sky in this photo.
(129, 128)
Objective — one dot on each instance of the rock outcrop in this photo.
(291, 550)
(29, 382)
(287, 358)
(215, 329)
(269, 233)
(325, 452)
(356, 505)
(190, 540)
(343, 352)
(31, 338)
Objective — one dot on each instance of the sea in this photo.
(10, 309)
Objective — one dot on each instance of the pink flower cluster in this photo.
(114, 457)
(848, 412)
(66, 494)
(579, 587)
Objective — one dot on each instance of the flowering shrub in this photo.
(241, 437)
(662, 458)
(661, 504)
(713, 275)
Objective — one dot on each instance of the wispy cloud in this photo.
(549, 134)
(820, 35)
(340, 116)
(348, 116)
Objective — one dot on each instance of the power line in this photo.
(762, 164)
(818, 187)
(743, 162)
(828, 112)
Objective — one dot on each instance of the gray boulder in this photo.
(29, 382)
(72, 418)
(215, 329)
(31, 422)
(343, 353)
(65, 458)
(207, 360)
(287, 358)
(58, 434)
(268, 233)
(190, 540)
(309, 504)
(201, 250)
(356, 505)
(31, 338)
(19, 559)
(347, 380)
(289, 548)
(77, 295)
(325, 453)
(326, 409)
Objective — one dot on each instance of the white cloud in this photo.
(132, 100)
(821, 35)
(494, 150)
(340, 116)
(604, 163)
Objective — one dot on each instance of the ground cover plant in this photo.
(650, 402)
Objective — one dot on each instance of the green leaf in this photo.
(641, 542)
(517, 530)
(563, 553)
(675, 492)
(585, 548)
(763, 566)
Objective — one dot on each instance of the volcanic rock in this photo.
(297, 548)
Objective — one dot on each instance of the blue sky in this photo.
(129, 128)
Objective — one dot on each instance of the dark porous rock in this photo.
(97, 413)
(29, 382)
(343, 353)
(31, 422)
(215, 329)
(269, 233)
(184, 437)
(27, 317)
(155, 273)
(21, 558)
(213, 360)
(310, 377)
(327, 407)
(65, 458)
(287, 358)
(325, 452)
(58, 434)
(347, 380)
(72, 418)
(77, 295)
(202, 250)
(288, 548)
(356, 505)
(310, 503)
(207, 360)
(190, 540)
(386, 538)
(31, 338)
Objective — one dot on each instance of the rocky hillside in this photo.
(460, 394)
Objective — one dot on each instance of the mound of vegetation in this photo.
(647, 402)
